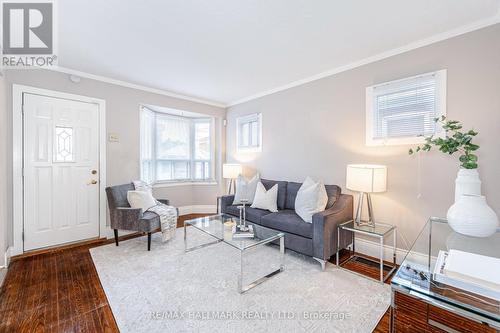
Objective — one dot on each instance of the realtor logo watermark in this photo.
(28, 34)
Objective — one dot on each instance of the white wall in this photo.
(318, 128)
(122, 117)
(3, 171)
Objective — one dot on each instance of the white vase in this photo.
(472, 216)
(467, 182)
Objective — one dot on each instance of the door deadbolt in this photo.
(94, 172)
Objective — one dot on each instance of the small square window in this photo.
(403, 111)
(249, 133)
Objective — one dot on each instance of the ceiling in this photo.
(230, 50)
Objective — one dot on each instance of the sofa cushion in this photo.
(291, 193)
(149, 222)
(287, 220)
(281, 190)
(333, 192)
(253, 214)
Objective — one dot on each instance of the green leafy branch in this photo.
(454, 141)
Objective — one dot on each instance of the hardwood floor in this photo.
(59, 291)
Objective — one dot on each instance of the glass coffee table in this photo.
(219, 228)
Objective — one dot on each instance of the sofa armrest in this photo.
(325, 227)
(164, 201)
(126, 218)
(226, 201)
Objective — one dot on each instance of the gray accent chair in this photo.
(317, 239)
(126, 218)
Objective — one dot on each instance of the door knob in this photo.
(92, 182)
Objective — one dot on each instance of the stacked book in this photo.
(239, 233)
(468, 271)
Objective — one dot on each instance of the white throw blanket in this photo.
(167, 214)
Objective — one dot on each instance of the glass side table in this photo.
(379, 231)
(415, 280)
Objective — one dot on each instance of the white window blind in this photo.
(403, 111)
(175, 148)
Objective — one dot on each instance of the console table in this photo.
(421, 304)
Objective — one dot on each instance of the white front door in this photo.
(61, 160)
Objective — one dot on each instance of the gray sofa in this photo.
(133, 219)
(317, 239)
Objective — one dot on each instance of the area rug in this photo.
(168, 290)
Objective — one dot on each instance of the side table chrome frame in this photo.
(383, 277)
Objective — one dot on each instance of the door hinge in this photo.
(22, 235)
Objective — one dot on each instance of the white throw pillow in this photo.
(140, 199)
(311, 199)
(245, 189)
(266, 199)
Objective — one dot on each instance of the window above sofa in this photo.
(249, 133)
(403, 111)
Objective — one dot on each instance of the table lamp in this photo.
(231, 171)
(366, 179)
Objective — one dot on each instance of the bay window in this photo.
(176, 148)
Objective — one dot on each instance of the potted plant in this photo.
(470, 214)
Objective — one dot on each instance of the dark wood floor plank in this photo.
(58, 290)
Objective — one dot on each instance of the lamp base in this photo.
(371, 221)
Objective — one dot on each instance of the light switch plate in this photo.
(113, 137)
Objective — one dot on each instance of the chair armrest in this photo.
(325, 225)
(126, 218)
(225, 201)
(164, 201)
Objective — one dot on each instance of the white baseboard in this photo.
(8, 254)
(198, 209)
(372, 249)
(3, 273)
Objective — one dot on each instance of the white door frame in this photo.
(17, 160)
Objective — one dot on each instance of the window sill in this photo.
(187, 183)
(249, 149)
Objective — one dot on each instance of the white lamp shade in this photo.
(231, 170)
(367, 178)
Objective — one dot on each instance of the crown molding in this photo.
(384, 55)
(136, 86)
(381, 56)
